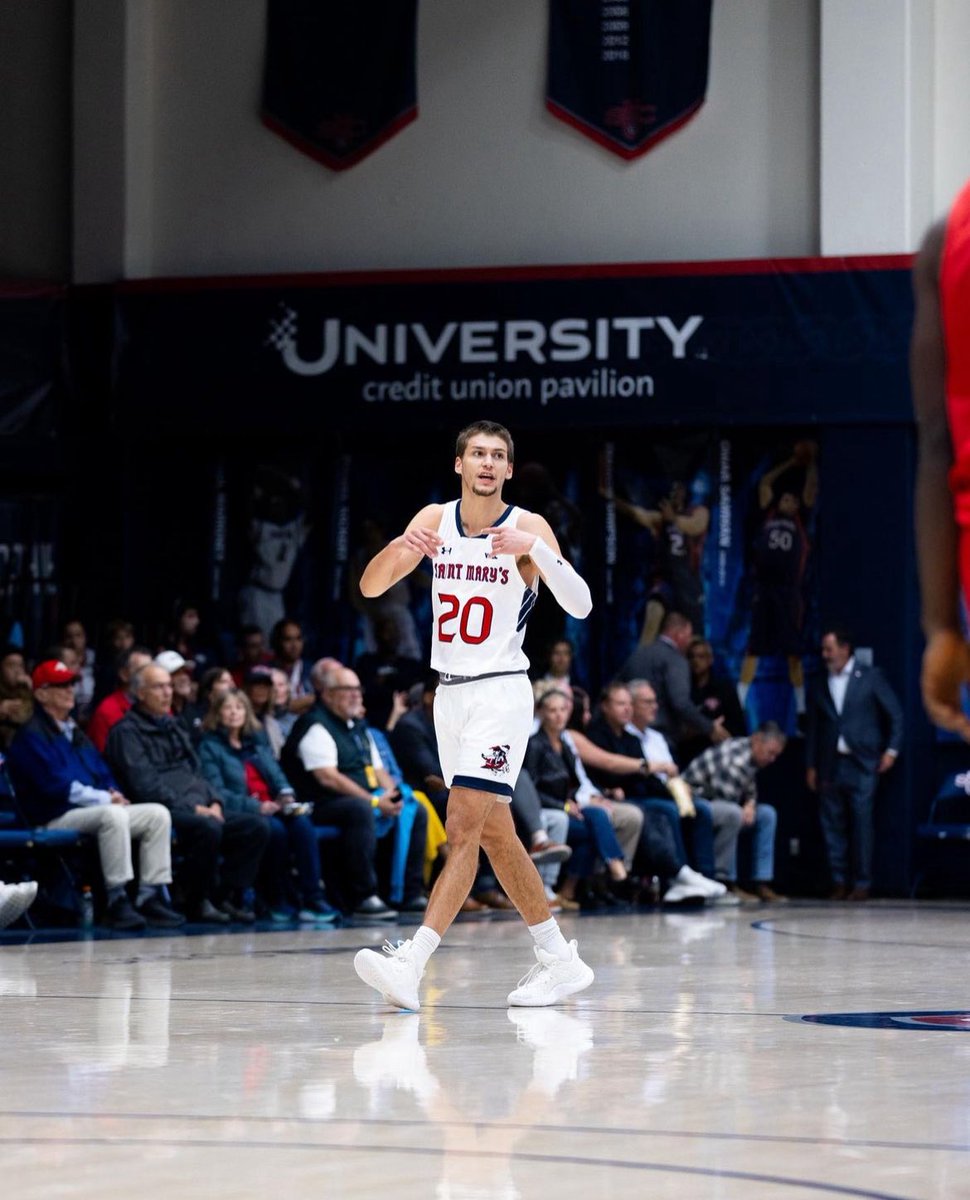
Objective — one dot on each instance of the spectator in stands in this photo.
(152, 756)
(692, 813)
(726, 774)
(62, 782)
(186, 639)
(114, 706)
(251, 652)
(328, 760)
(284, 716)
(286, 643)
(258, 686)
(236, 760)
(405, 846)
(215, 682)
(608, 731)
(553, 764)
(663, 665)
(416, 747)
(184, 689)
(16, 694)
(386, 671)
(713, 695)
(75, 637)
(118, 639)
(15, 899)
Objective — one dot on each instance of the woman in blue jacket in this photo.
(236, 759)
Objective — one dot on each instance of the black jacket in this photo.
(153, 760)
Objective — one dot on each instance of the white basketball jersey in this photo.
(480, 602)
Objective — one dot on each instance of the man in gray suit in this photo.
(855, 728)
(664, 665)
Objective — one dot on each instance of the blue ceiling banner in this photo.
(340, 78)
(802, 342)
(629, 74)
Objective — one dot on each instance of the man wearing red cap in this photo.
(62, 782)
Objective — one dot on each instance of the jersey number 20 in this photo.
(452, 609)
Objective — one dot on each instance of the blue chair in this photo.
(948, 821)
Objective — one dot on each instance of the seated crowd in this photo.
(234, 781)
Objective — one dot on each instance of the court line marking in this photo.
(524, 1126)
(435, 1152)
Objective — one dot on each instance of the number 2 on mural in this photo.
(452, 609)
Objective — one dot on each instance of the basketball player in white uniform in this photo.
(487, 559)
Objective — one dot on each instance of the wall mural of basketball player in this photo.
(787, 494)
(679, 525)
(277, 530)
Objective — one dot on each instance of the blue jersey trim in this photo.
(461, 528)
(482, 785)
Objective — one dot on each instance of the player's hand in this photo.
(946, 667)
(510, 541)
(421, 541)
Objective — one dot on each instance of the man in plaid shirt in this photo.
(725, 775)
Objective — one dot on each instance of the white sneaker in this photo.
(712, 888)
(15, 899)
(677, 893)
(392, 973)
(552, 979)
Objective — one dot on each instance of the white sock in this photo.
(548, 936)
(424, 943)
(540, 838)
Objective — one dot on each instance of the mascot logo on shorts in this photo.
(497, 760)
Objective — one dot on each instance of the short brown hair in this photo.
(490, 429)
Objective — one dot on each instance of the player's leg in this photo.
(513, 867)
(468, 813)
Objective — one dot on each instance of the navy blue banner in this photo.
(820, 341)
(627, 74)
(340, 77)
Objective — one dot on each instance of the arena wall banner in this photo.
(340, 77)
(761, 343)
(627, 75)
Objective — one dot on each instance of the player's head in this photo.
(483, 457)
(767, 743)
(788, 504)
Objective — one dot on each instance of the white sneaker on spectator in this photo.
(15, 899)
(552, 979)
(677, 893)
(393, 973)
(712, 889)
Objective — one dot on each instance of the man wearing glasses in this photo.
(328, 759)
(63, 782)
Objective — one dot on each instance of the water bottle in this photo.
(87, 908)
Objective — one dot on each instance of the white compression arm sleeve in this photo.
(570, 589)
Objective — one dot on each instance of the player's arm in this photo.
(766, 485)
(591, 755)
(694, 523)
(649, 518)
(945, 662)
(535, 548)
(402, 554)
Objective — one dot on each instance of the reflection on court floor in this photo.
(805, 1051)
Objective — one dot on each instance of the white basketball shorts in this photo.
(483, 727)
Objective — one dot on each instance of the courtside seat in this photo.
(948, 821)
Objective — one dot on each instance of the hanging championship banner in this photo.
(627, 75)
(340, 77)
